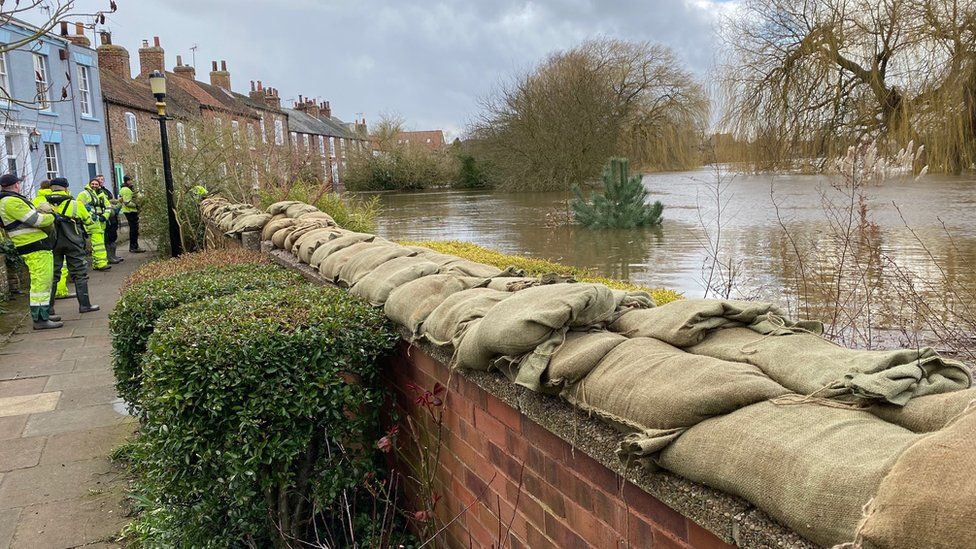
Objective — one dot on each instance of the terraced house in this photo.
(51, 111)
(268, 143)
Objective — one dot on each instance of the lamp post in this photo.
(157, 81)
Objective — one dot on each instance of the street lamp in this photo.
(157, 82)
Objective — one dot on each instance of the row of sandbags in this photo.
(231, 218)
(730, 394)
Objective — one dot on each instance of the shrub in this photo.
(195, 261)
(471, 173)
(537, 267)
(401, 168)
(351, 213)
(262, 413)
(135, 315)
(623, 204)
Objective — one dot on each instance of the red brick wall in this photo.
(497, 467)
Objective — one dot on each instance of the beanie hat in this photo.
(59, 182)
(9, 179)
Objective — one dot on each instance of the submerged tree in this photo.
(623, 204)
(558, 124)
(808, 79)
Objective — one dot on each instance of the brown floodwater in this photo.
(675, 254)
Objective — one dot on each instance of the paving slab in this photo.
(86, 378)
(84, 445)
(8, 524)
(14, 368)
(19, 453)
(80, 397)
(93, 518)
(55, 482)
(29, 404)
(12, 427)
(80, 419)
(19, 387)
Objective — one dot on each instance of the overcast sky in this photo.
(429, 61)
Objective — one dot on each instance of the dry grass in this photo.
(536, 267)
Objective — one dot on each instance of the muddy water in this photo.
(675, 255)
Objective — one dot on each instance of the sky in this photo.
(430, 62)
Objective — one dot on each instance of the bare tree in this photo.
(557, 125)
(806, 79)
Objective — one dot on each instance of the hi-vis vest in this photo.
(24, 223)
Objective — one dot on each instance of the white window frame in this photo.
(250, 134)
(52, 159)
(322, 145)
(42, 82)
(294, 139)
(264, 132)
(235, 128)
(308, 146)
(181, 134)
(5, 94)
(132, 127)
(279, 130)
(84, 91)
(91, 157)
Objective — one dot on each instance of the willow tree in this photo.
(805, 79)
(557, 125)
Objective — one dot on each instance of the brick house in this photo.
(51, 123)
(325, 140)
(430, 139)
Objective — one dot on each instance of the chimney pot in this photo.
(260, 86)
(214, 65)
(145, 43)
(156, 41)
(223, 65)
(179, 60)
(106, 37)
(79, 28)
(220, 78)
(64, 28)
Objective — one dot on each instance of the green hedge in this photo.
(141, 304)
(262, 409)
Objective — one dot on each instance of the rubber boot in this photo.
(40, 322)
(110, 250)
(84, 300)
(51, 315)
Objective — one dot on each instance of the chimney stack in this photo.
(151, 58)
(113, 58)
(184, 71)
(271, 98)
(326, 110)
(307, 106)
(78, 38)
(257, 91)
(220, 78)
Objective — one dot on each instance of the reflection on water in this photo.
(673, 255)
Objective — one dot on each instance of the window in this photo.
(332, 147)
(195, 136)
(322, 145)
(308, 148)
(294, 140)
(41, 80)
(264, 132)
(181, 134)
(84, 93)
(218, 127)
(428, 141)
(51, 159)
(279, 133)
(91, 156)
(4, 81)
(250, 135)
(130, 127)
(235, 128)
(11, 154)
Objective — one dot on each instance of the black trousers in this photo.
(112, 229)
(133, 219)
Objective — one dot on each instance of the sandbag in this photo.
(297, 210)
(926, 500)
(377, 285)
(449, 319)
(328, 248)
(274, 226)
(685, 322)
(250, 222)
(334, 262)
(535, 320)
(927, 413)
(812, 468)
(463, 267)
(318, 215)
(363, 263)
(577, 357)
(516, 283)
(411, 304)
(279, 236)
(302, 228)
(281, 207)
(811, 365)
(310, 241)
(645, 384)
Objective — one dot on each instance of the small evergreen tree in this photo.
(623, 204)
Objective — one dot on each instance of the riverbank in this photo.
(60, 420)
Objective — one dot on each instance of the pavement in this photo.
(60, 420)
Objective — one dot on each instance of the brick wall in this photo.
(498, 468)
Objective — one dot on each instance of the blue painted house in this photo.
(52, 115)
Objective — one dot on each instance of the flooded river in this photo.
(675, 255)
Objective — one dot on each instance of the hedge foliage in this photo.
(195, 261)
(141, 304)
(536, 267)
(262, 409)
